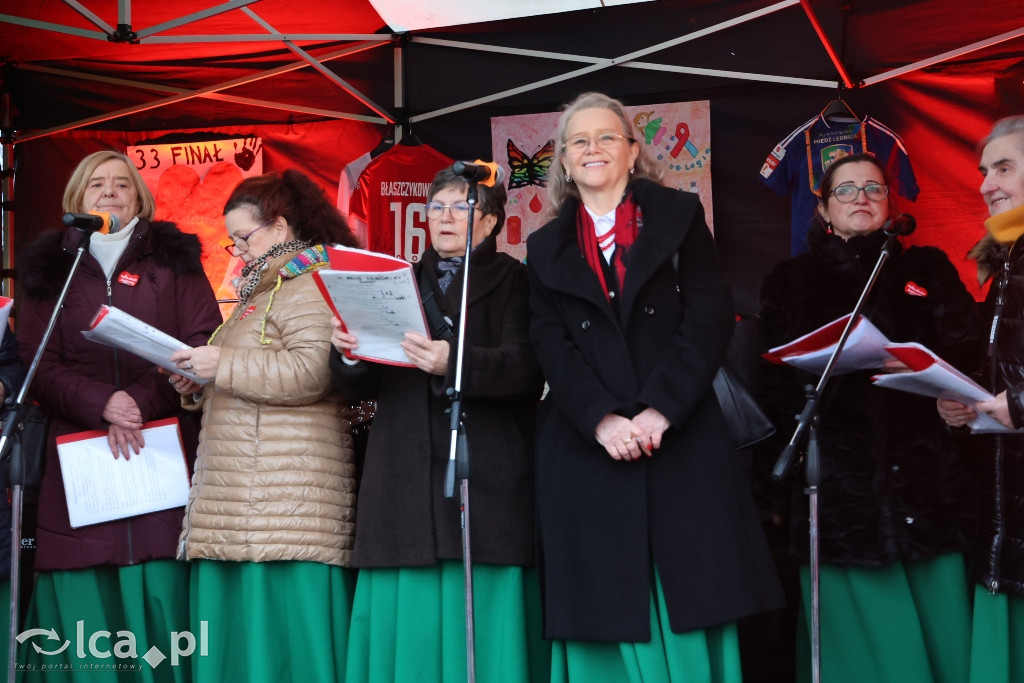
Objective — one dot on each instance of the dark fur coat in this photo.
(43, 265)
(895, 486)
(158, 279)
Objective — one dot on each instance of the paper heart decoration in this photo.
(197, 206)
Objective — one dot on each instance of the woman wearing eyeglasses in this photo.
(408, 620)
(651, 547)
(270, 519)
(895, 494)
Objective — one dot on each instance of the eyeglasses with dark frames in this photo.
(847, 193)
(241, 245)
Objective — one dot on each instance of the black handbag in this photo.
(746, 421)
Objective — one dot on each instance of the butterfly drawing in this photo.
(527, 170)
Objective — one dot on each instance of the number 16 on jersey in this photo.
(411, 236)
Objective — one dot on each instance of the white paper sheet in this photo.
(5, 315)
(99, 488)
(113, 327)
(867, 349)
(934, 377)
(864, 349)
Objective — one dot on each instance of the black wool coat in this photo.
(688, 507)
(403, 518)
(895, 486)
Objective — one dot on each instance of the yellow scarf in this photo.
(1006, 227)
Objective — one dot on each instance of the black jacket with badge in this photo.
(998, 560)
(689, 506)
(895, 486)
(404, 520)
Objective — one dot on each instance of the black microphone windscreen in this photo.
(92, 221)
(903, 224)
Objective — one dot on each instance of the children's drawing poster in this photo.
(676, 136)
(191, 182)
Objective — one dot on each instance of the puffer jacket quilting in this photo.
(275, 477)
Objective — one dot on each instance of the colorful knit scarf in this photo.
(246, 282)
(307, 260)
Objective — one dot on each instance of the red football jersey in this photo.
(391, 197)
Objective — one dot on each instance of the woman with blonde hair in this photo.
(120, 575)
(650, 545)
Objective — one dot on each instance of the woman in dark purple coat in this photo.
(120, 575)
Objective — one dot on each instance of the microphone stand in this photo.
(458, 456)
(807, 423)
(11, 454)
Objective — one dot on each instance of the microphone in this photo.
(484, 172)
(903, 224)
(93, 221)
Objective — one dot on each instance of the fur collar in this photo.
(862, 249)
(990, 256)
(43, 266)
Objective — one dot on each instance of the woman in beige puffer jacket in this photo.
(273, 495)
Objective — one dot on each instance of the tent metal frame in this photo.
(355, 43)
(209, 92)
(360, 42)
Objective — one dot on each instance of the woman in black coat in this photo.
(895, 498)
(997, 649)
(649, 538)
(407, 617)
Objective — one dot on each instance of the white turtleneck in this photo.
(107, 249)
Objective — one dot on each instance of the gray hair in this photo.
(1009, 125)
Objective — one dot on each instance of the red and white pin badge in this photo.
(914, 289)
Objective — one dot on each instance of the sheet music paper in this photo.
(99, 488)
(113, 327)
(867, 349)
(376, 298)
(5, 315)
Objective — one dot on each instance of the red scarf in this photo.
(628, 221)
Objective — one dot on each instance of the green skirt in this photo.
(997, 644)
(409, 624)
(710, 655)
(117, 623)
(903, 623)
(270, 622)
